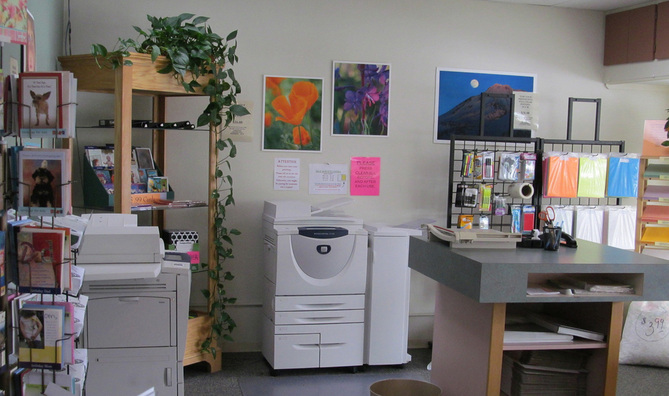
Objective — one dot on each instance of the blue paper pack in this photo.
(623, 178)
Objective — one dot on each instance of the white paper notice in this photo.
(287, 174)
(525, 111)
(241, 129)
(328, 179)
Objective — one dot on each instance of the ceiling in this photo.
(596, 5)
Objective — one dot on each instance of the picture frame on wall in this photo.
(655, 134)
(360, 99)
(29, 50)
(458, 100)
(293, 109)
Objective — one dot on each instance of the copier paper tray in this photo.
(480, 239)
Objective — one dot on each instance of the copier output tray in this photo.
(470, 238)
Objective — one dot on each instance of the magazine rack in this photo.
(97, 196)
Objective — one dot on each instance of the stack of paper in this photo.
(518, 336)
(656, 171)
(655, 192)
(592, 283)
(655, 213)
(655, 235)
(523, 379)
(561, 326)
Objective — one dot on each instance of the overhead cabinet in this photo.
(630, 36)
(662, 31)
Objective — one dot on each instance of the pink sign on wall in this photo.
(365, 175)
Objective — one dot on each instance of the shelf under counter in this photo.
(576, 344)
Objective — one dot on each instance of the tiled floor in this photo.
(248, 374)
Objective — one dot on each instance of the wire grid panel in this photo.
(579, 146)
(460, 145)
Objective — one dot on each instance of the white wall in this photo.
(562, 47)
(48, 15)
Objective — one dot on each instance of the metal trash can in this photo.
(403, 387)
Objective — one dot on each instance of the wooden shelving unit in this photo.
(142, 79)
(652, 202)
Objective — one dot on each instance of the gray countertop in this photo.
(503, 275)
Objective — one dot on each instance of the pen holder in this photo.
(551, 238)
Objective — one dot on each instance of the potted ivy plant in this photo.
(192, 51)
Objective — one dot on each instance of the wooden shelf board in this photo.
(577, 344)
(145, 77)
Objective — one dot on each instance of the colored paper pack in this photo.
(655, 235)
(562, 176)
(623, 178)
(592, 176)
(655, 213)
(589, 223)
(620, 227)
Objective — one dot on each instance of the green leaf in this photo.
(203, 119)
(231, 36)
(239, 110)
(665, 143)
(98, 50)
(199, 20)
(167, 69)
(155, 52)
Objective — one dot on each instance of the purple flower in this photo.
(369, 95)
(353, 102)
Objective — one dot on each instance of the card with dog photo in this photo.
(44, 182)
(40, 110)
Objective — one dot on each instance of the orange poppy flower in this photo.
(268, 119)
(306, 90)
(273, 85)
(301, 136)
(292, 111)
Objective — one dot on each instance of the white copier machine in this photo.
(137, 316)
(315, 266)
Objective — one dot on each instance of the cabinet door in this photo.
(630, 36)
(662, 31)
(641, 38)
(131, 371)
(615, 41)
(129, 321)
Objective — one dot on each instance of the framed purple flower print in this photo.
(360, 97)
